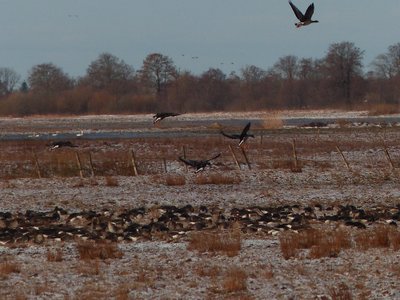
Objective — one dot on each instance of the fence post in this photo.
(234, 157)
(344, 158)
(91, 164)
(135, 172)
(78, 161)
(37, 166)
(388, 156)
(245, 157)
(165, 165)
(184, 156)
(296, 164)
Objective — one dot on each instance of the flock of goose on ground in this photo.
(170, 222)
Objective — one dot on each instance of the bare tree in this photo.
(252, 83)
(183, 92)
(309, 69)
(286, 67)
(387, 65)
(109, 72)
(24, 88)
(214, 89)
(48, 78)
(8, 80)
(343, 63)
(157, 71)
(252, 74)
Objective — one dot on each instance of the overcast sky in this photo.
(72, 33)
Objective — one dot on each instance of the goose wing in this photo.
(214, 157)
(309, 12)
(231, 136)
(297, 12)
(245, 130)
(173, 114)
(157, 115)
(165, 114)
(189, 162)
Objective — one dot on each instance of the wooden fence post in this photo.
(165, 165)
(133, 160)
(388, 156)
(78, 161)
(91, 164)
(344, 158)
(37, 166)
(245, 157)
(234, 157)
(296, 164)
(184, 156)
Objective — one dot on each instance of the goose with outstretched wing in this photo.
(306, 18)
(242, 137)
(162, 115)
(199, 164)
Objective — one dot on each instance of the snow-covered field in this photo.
(159, 268)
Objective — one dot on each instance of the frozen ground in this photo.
(158, 269)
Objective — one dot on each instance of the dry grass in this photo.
(173, 180)
(343, 123)
(341, 292)
(8, 267)
(89, 268)
(272, 122)
(121, 292)
(383, 109)
(282, 164)
(204, 270)
(216, 179)
(329, 243)
(42, 288)
(98, 250)
(92, 291)
(146, 275)
(235, 280)
(268, 272)
(320, 242)
(54, 255)
(111, 181)
(19, 295)
(381, 236)
(226, 242)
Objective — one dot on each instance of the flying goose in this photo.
(199, 164)
(60, 144)
(162, 115)
(306, 18)
(241, 137)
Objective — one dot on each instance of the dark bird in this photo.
(241, 137)
(162, 115)
(304, 19)
(199, 164)
(60, 144)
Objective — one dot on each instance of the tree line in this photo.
(112, 86)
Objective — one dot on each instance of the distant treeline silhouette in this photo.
(111, 86)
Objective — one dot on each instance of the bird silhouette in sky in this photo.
(306, 18)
